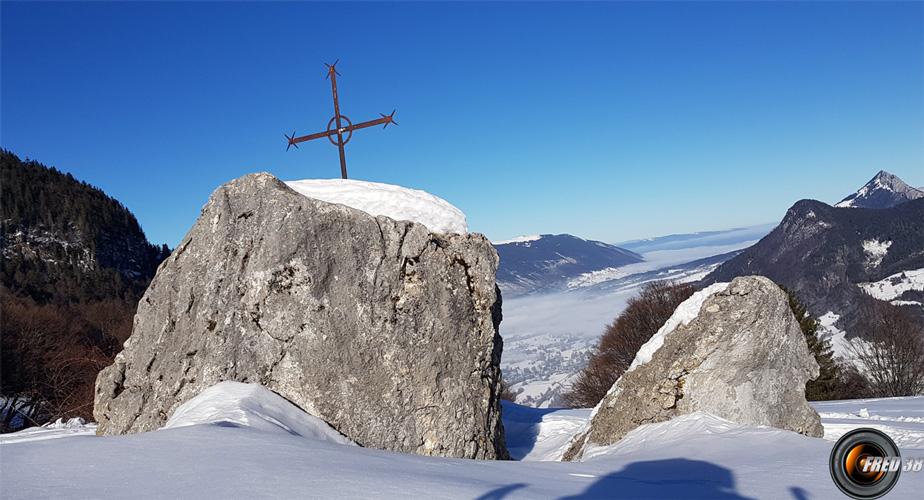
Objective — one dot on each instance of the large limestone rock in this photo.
(742, 357)
(384, 330)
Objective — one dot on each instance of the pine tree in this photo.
(828, 384)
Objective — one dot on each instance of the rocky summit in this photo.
(741, 357)
(383, 329)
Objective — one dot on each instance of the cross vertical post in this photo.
(332, 74)
(336, 128)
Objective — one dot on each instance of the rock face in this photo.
(382, 329)
(742, 358)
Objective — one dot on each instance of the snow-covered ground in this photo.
(396, 202)
(828, 330)
(895, 286)
(227, 449)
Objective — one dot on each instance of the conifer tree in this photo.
(828, 384)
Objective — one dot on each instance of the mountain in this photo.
(73, 265)
(885, 190)
(824, 254)
(547, 262)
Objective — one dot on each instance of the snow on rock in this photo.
(875, 250)
(396, 202)
(253, 406)
(686, 312)
(894, 286)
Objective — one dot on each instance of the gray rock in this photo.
(384, 330)
(743, 358)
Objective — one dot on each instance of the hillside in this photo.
(66, 241)
(547, 262)
(823, 253)
(74, 263)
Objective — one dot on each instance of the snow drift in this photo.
(253, 406)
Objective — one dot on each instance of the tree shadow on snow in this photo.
(673, 478)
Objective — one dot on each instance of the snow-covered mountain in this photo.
(547, 262)
(884, 190)
(830, 256)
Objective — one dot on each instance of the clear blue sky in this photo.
(608, 121)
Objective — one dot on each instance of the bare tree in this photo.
(50, 355)
(506, 393)
(891, 350)
(621, 340)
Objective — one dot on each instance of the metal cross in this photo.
(342, 133)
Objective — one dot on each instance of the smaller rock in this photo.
(733, 351)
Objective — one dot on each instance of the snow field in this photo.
(231, 442)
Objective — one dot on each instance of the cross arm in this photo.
(384, 120)
(295, 140)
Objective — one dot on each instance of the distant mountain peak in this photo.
(884, 190)
(547, 262)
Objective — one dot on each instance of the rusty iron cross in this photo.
(335, 127)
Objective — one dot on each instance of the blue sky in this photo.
(609, 121)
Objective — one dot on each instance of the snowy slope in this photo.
(545, 263)
(899, 288)
(695, 456)
(396, 202)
